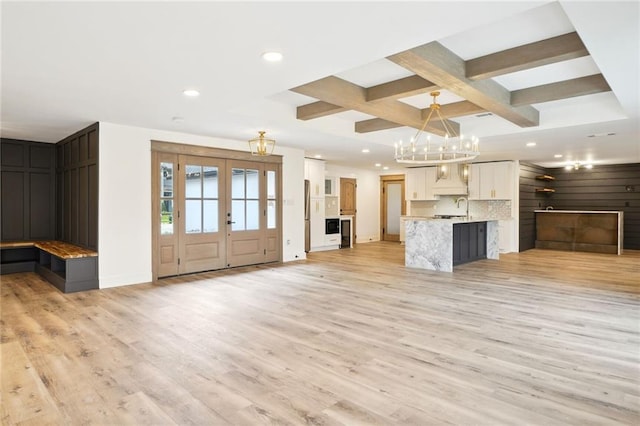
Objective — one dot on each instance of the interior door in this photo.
(202, 214)
(246, 214)
(392, 194)
(348, 201)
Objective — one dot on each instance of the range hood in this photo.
(452, 184)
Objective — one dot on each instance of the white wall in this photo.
(125, 199)
(367, 200)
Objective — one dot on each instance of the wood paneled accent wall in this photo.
(530, 200)
(77, 188)
(28, 190)
(611, 187)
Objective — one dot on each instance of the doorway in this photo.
(348, 187)
(211, 212)
(392, 206)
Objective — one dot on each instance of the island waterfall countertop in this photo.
(430, 242)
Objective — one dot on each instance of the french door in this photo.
(252, 214)
(212, 213)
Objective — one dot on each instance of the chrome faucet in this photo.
(466, 200)
(549, 208)
(462, 199)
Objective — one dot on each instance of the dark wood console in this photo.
(591, 231)
(69, 267)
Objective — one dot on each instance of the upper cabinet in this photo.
(492, 181)
(330, 186)
(419, 184)
(314, 172)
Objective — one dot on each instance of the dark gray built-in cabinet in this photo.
(50, 191)
(77, 188)
(27, 188)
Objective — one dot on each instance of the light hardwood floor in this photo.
(345, 337)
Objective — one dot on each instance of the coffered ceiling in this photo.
(355, 75)
(434, 68)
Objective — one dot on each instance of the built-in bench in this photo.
(69, 267)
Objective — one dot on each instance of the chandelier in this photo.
(578, 165)
(261, 146)
(453, 149)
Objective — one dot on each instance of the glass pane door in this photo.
(202, 238)
(166, 198)
(245, 199)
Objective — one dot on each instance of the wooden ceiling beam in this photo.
(374, 125)
(316, 110)
(456, 109)
(396, 89)
(544, 52)
(560, 90)
(401, 88)
(438, 64)
(340, 92)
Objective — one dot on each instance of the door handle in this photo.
(229, 222)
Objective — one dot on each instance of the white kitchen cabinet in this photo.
(492, 181)
(414, 184)
(317, 223)
(419, 183)
(474, 182)
(332, 240)
(314, 172)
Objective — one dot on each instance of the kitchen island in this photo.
(441, 244)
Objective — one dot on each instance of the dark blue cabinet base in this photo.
(469, 242)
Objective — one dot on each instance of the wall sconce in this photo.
(442, 171)
(463, 171)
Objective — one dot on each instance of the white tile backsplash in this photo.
(447, 205)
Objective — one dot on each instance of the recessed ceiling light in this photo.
(557, 156)
(318, 156)
(272, 56)
(530, 144)
(378, 165)
(385, 168)
(366, 150)
(191, 93)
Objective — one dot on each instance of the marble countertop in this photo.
(453, 220)
(577, 211)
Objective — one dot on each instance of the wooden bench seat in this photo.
(67, 266)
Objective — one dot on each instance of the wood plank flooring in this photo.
(344, 337)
